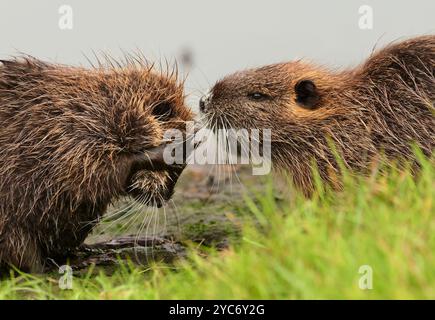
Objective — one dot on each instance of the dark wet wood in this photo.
(139, 250)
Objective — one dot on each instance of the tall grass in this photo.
(298, 249)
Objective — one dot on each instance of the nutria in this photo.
(72, 141)
(380, 108)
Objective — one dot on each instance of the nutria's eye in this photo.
(257, 96)
(162, 110)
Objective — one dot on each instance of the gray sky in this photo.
(223, 36)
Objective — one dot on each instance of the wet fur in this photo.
(69, 138)
(380, 108)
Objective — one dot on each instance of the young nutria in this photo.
(72, 140)
(379, 108)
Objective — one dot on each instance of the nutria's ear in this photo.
(307, 94)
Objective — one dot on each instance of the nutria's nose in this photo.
(202, 104)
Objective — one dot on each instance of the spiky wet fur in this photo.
(68, 139)
(380, 108)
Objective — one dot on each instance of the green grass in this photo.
(291, 249)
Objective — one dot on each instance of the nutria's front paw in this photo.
(154, 188)
(152, 180)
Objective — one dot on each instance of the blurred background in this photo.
(209, 38)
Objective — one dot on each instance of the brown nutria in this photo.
(379, 108)
(73, 140)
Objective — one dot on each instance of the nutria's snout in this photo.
(204, 102)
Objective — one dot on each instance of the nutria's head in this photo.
(299, 102)
(160, 98)
(91, 129)
(294, 92)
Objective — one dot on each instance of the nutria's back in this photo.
(401, 95)
(380, 107)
